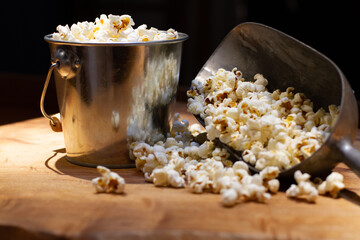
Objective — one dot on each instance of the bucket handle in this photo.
(68, 65)
(55, 122)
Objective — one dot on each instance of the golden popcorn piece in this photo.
(109, 182)
(332, 185)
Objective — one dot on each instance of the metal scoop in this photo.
(284, 61)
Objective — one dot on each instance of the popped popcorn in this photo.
(245, 187)
(109, 182)
(235, 183)
(158, 162)
(112, 28)
(304, 188)
(167, 176)
(270, 129)
(205, 168)
(179, 161)
(195, 129)
(269, 175)
(332, 185)
(229, 197)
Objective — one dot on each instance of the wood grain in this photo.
(42, 196)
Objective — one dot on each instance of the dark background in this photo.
(331, 27)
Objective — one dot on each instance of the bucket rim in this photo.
(182, 37)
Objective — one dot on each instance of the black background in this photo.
(331, 27)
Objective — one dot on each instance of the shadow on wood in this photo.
(64, 167)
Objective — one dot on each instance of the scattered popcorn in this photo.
(112, 28)
(234, 183)
(332, 185)
(109, 182)
(204, 167)
(206, 176)
(270, 129)
(304, 188)
(179, 161)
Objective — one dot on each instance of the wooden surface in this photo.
(42, 196)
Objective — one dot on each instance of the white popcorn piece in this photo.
(118, 24)
(269, 175)
(304, 188)
(240, 169)
(195, 107)
(229, 197)
(205, 150)
(253, 189)
(204, 175)
(83, 31)
(273, 185)
(145, 159)
(198, 181)
(332, 185)
(112, 28)
(64, 33)
(175, 180)
(195, 129)
(109, 182)
(293, 191)
(301, 177)
(163, 177)
(147, 34)
(171, 34)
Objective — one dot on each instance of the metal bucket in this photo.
(111, 95)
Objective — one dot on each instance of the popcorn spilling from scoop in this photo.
(279, 128)
(181, 162)
(109, 182)
(112, 28)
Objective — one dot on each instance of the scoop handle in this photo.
(350, 155)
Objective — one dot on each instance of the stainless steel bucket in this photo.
(112, 94)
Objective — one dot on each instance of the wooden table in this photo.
(42, 196)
